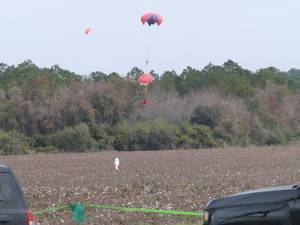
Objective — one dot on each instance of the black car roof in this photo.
(4, 168)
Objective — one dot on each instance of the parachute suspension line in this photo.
(150, 33)
(147, 56)
(147, 33)
(145, 95)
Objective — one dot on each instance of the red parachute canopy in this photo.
(151, 19)
(145, 79)
(87, 31)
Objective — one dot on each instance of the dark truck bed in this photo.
(270, 206)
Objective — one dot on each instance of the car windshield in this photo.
(9, 193)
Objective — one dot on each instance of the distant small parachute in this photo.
(88, 31)
(151, 19)
(145, 79)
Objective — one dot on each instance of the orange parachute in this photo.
(145, 79)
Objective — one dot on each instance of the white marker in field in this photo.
(117, 163)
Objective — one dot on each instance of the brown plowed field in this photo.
(181, 180)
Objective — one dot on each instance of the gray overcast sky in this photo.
(254, 33)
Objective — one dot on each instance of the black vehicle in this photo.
(13, 207)
(271, 206)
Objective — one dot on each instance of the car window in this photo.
(9, 192)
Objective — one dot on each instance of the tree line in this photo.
(53, 109)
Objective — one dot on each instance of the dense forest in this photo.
(53, 109)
